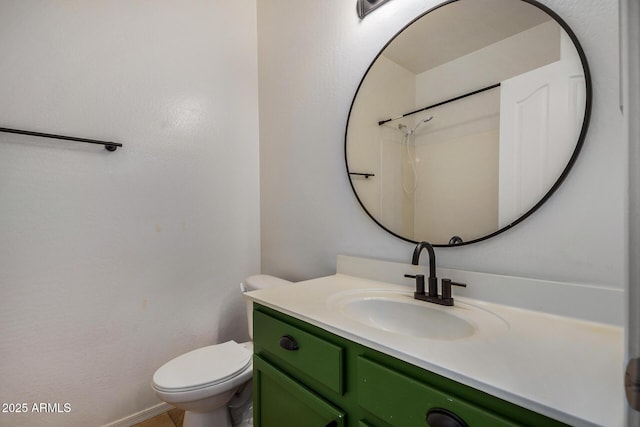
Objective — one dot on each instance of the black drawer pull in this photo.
(288, 343)
(438, 417)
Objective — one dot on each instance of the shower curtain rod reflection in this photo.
(381, 122)
(110, 146)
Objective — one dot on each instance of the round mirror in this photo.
(468, 120)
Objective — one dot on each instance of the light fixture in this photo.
(366, 6)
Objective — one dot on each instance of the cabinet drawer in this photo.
(307, 354)
(282, 402)
(402, 401)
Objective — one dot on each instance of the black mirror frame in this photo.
(566, 170)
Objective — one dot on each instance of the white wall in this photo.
(113, 263)
(312, 56)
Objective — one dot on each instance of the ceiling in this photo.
(460, 28)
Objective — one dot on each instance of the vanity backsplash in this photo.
(586, 302)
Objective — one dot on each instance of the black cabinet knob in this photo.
(288, 343)
(439, 417)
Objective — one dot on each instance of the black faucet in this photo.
(432, 291)
(433, 280)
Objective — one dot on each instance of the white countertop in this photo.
(568, 369)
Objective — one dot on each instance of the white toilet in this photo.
(206, 381)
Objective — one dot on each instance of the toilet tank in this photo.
(254, 283)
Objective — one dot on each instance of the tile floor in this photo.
(173, 418)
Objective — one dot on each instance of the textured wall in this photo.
(310, 65)
(113, 263)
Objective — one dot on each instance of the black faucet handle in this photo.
(419, 282)
(446, 287)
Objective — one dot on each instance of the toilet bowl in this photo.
(202, 382)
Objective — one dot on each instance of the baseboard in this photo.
(138, 417)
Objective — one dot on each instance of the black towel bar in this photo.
(110, 146)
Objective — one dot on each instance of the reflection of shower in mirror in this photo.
(410, 158)
(403, 127)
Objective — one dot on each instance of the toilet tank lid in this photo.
(262, 281)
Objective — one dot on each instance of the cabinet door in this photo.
(280, 401)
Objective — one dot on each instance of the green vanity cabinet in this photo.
(305, 376)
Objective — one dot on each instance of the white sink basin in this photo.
(399, 313)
